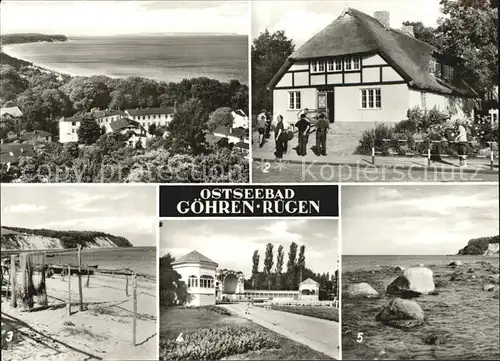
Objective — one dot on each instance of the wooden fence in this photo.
(25, 263)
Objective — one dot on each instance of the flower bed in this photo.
(214, 344)
(325, 313)
(216, 309)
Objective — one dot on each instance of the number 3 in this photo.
(10, 335)
(360, 337)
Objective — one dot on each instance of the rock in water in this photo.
(399, 268)
(489, 288)
(421, 265)
(455, 263)
(401, 313)
(360, 290)
(413, 282)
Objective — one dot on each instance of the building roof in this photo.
(212, 139)
(238, 132)
(106, 113)
(74, 118)
(242, 145)
(356, 32)
(194, 257)
(239, 112)
(10, 152)
(150, 111)
(12, 111)
(222, 130)
(124, 123)
(35, 134)
(309, 281)
(234, 132)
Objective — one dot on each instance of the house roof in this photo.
(12, 111)
(238, 132)
(74, 118)
(10, 152)
(309, 281)
(34, 134)
(106, 113)
(194, 257)
(222, 130)
(360, 33)
(123, 123)
(242, 145)
(150, 111)
(212, 139)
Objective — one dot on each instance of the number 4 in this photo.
(360, 337)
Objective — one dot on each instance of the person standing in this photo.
(261, 128)
(279, 136)
(321, 131)
(303, 127)
(461, 138)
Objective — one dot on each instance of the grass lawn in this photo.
(326, 313)
(193, 322)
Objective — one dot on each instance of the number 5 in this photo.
(360, 337)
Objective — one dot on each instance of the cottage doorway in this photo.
(326, 103)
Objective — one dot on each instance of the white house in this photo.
(104, 117)
(133, 129)
(68, 128)
(233, 135)
(309, 290)
(148, 116)
(198, 272)
(359, 69)
(240, 119)
(13, 113)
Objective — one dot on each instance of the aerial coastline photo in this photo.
(128, 98)
(420, 267)
(259, 289)
(78, 273)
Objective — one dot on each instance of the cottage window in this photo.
(193, 281)
(293, 100)
(334, 65)
(435, 68)
(318, 66)
(206, 281)
(352, 63)
(448, 72)
(371, 98)
(73, 123)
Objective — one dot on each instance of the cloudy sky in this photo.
(74, 18)
(124, 211)
(231, 243)
(416, 220)
(302, 19)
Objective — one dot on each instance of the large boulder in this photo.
(399, 268)
(489, 287)
(413, 282)
(401, 313)
(455, 264)
(360, 290)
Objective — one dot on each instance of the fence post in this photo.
(13, 275)
(429, 154)
(80, 291)
(88, 277)
(126, 285)
(68, 306)
(373, 154)
(134, 321)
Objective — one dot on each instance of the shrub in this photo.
(214, 344)
(375, 138)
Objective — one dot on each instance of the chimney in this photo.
(408, 30)
(383, 18)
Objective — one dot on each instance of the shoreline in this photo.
(72, 74)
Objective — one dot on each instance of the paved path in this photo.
(320, 335)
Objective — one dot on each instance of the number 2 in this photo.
(265, 167)
(360, 337)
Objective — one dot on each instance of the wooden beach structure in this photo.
(28, 269)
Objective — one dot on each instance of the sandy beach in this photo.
(102, 331)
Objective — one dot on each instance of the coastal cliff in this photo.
(486, 246)
(23, 238)
(30, 38)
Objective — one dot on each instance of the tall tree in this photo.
(89, 130)
(279, 267)
(469, 31)
(255, 267)
(268, 263)
(301, 262)
(269, 52)
(427, 34)
(291, 266)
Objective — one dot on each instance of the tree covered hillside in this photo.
(69, 239)
(478, 245)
